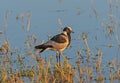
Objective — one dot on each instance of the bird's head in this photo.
(68, 30)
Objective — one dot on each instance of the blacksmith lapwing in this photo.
(57, 43)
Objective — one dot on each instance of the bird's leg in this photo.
(57, 57)
(40, 54)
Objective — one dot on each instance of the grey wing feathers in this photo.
(59, 38)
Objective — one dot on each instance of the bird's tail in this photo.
(43, 47)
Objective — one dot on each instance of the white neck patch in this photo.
(65, 32)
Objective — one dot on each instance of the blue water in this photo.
(82, 15)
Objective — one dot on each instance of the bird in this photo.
(57, 43)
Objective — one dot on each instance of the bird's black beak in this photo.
(72, 32)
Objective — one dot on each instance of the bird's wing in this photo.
(60, 38)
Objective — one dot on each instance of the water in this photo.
(81, 15)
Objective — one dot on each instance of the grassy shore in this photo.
(87, 68)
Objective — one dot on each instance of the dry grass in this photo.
(86, 69)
